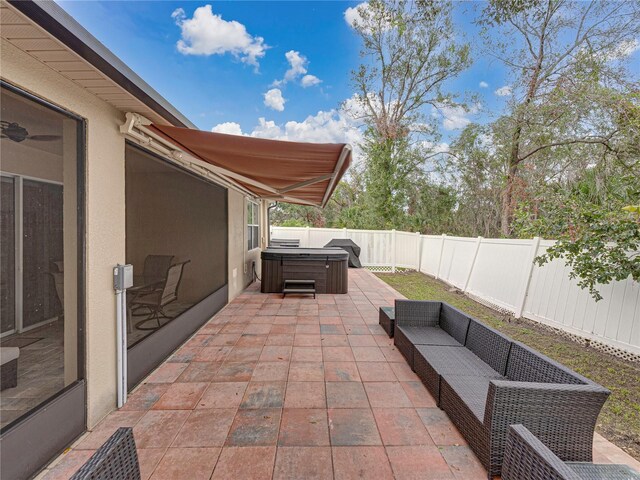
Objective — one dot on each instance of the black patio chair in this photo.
(158, 299)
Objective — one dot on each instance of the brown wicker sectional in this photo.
(486, 382)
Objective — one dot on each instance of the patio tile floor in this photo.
(292, 388)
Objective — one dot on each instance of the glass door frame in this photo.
(16, 256)
(18, 202)
(60, 419)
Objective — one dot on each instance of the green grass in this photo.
(619, 420)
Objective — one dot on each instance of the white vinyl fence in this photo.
(500, 272)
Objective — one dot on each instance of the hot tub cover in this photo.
(304, 254)
(350, 247)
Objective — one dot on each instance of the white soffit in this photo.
(24, 34)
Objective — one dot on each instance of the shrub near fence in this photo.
(501, 273)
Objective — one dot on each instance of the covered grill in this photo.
(350, 247)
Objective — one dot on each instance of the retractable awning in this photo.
(295, 172)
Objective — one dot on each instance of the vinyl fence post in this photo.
(524, 289)
(444, 237)
(418, 251)
(393, 251)
(473, 263)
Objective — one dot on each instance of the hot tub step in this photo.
(302, 287)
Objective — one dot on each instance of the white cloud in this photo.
(332, 126)
(230, 128)
(297, 65)
(209, 34)
(455, 117)
(483, 84)
(359, 17)
(441, 147)
(352, 14)
(297, 68)
(505, 91)
(310, 81)
(274, 99)
(624, 49)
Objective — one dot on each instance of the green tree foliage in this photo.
(597, 233)
(561, 161)
(562, 54)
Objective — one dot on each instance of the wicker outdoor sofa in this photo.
(526, 457)
(486, 382)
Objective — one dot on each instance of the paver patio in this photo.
(292, 389)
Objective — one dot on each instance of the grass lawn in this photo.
(619, 421)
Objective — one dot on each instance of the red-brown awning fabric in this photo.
(294, 172)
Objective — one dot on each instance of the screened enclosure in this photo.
(176, 240)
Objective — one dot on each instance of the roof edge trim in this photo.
(58, 23)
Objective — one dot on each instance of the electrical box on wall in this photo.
(122, 277)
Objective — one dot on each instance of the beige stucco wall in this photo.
(22, 159)
(240, 260)
(104, 220)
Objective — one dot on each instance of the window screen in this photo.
(253, 228)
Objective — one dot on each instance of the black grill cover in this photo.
(351, 248)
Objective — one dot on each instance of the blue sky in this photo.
(221, 79)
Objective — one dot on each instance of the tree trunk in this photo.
(512, 173)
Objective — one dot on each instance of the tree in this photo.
(409, 51)
(595, 224)
(475, 167)
(560, 54)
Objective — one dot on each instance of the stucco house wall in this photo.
(105, 218)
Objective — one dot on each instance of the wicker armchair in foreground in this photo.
(117, 459)
(526, 457)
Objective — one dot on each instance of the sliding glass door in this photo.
(7, 256)
(42, 252)
(42, 393)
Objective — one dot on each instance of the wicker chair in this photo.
(526, 457)
(427, 323)
(117, 459)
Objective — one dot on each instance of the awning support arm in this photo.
(295, 186)
(343, 156)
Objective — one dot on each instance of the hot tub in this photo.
(327, 266)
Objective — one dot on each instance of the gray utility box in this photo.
(122, 277)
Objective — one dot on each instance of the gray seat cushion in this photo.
(472, 391)
(456, 361)
(429, 336)
(603, 472)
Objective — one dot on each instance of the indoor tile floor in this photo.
(40, 370)
(291, 389)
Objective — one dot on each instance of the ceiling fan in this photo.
(17, 133)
